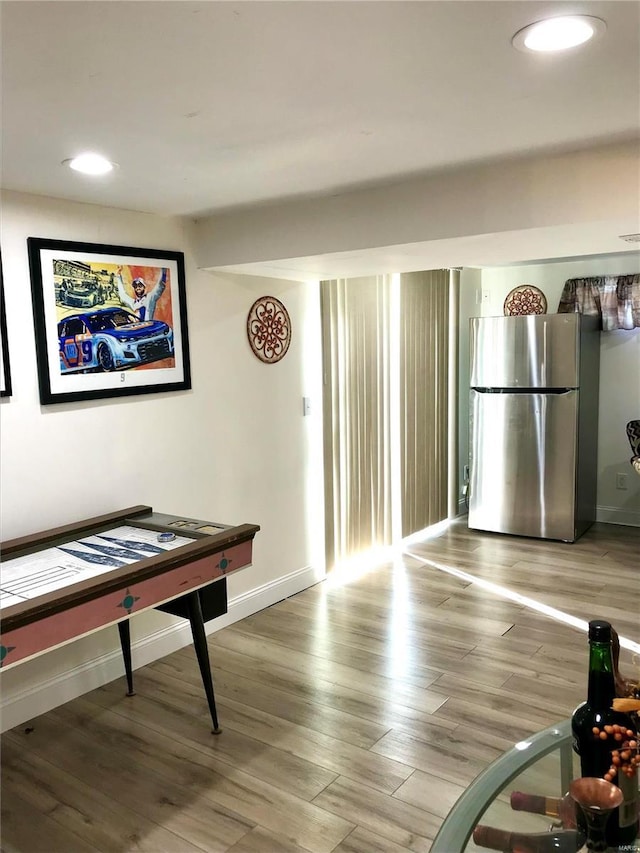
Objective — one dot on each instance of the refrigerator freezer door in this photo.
(537, 351)
(523, 464)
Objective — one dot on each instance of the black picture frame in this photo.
(95, 336)
(5, 371)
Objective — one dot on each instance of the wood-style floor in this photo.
(353, 715)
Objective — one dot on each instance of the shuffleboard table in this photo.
(67, 582)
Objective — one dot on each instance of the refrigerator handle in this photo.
(527, 391)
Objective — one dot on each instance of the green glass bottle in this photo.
(595, 751)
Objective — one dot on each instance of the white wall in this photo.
(235, 449)
(545, 205)
(470, 294)
(619, 368)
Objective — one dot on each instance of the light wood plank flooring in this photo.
(353, 715)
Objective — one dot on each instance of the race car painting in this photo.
(111, 339)
(79, 294)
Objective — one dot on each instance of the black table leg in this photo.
(125, 642)
(202, 653)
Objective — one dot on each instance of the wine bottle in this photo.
(591, 742)
(625, 687)
(560, 808)
(561, 841)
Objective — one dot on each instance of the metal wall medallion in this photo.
(525, 299)
(269, 329)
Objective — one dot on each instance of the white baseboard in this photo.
(91, 674)
(615, 515)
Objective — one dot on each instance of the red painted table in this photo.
(70, 581)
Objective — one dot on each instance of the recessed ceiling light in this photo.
(558, 33)
(90, 164)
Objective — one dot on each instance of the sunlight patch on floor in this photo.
(358, 565)
(525, 601)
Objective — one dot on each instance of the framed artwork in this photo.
(5, 372)
(110, 321)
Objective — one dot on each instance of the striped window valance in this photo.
(614, 298)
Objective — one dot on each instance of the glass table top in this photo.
(544, 764)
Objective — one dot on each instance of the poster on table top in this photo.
(26, 578)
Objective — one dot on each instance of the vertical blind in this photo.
(424, 379)
(356, 326)
(385, 342)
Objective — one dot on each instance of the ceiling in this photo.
(213, 106)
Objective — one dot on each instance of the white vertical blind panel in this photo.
(357, 362)
(424, 358)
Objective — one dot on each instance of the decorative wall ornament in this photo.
(269, 329)
(525, 299)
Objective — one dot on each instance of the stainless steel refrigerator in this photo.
(534, 424)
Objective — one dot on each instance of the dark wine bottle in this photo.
(626, 688)
(561, 841)
(591, 742)
(560, 808)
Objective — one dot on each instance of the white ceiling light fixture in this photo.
(90, 164)
(559, 33)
